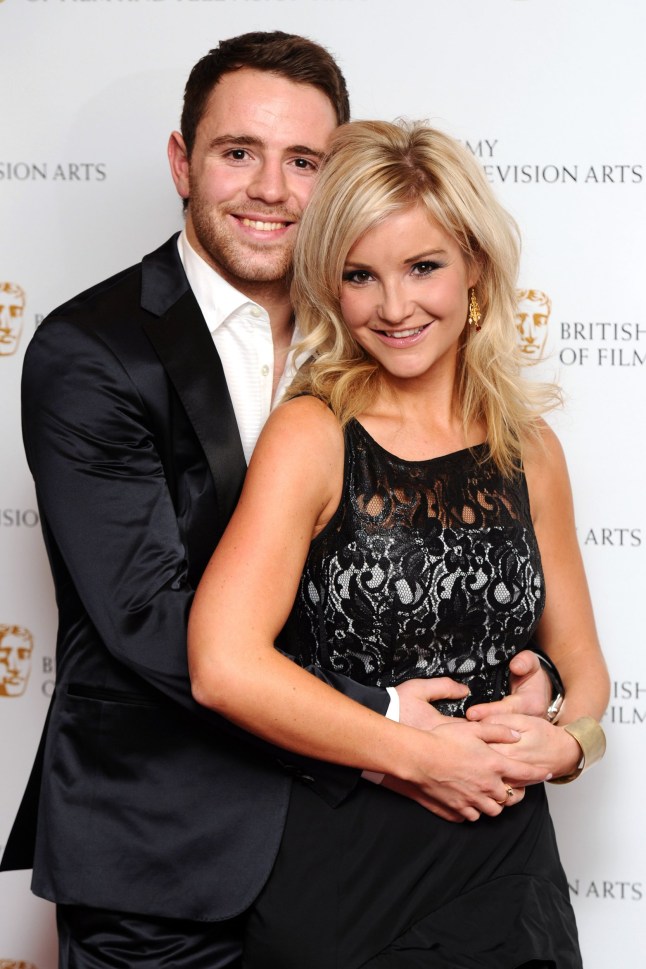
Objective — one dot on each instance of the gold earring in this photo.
(474, 311)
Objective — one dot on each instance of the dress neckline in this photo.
(476, 449)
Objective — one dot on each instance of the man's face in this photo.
(257, 153)
(15, 663)
(12, 302)
(532, 317)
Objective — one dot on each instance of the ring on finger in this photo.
(510, 793)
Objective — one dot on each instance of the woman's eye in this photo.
(424, 268)
(357, 276)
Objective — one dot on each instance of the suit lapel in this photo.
(185, 347)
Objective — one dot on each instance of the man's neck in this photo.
(274, 298)
(272, 295)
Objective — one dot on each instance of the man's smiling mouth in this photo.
(264, 226)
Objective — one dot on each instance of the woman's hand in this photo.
(461, 770)
(542, 744)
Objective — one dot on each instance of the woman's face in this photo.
(404, 294)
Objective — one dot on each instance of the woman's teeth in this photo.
(400, 334)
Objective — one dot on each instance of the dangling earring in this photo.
(474, 311)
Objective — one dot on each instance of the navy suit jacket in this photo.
(141, 800)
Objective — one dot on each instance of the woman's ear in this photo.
(475, 271)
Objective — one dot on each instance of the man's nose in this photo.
(269, 183)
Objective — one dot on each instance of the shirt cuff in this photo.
(392, 713)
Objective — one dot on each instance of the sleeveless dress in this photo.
(427, 568)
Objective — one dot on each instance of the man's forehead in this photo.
(252, 104)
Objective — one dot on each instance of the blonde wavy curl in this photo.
(377, 168)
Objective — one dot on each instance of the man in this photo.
(142, 398)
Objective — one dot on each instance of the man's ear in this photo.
(178, 159)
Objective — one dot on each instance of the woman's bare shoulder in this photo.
(546, 473)
(543, 450)
(305, 422)
(299, 461)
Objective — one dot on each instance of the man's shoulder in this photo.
(119, 295)
(123, 287)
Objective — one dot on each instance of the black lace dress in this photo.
(428, 568)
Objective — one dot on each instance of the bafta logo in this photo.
(16, 647)
(12, 307)
(532, 317)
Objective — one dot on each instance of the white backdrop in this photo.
(550, 95)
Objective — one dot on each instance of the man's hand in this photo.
(416, 697)
(531, 691)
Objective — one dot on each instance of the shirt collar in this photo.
(217, 298)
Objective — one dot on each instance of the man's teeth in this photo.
(263, 226)
(400, 334)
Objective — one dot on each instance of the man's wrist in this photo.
(392, 713)
(558, 690)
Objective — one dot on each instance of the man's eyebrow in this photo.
(249, 141)
(245, 140)
(304, 150)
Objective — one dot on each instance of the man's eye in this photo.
(238, 154)
(305, 164)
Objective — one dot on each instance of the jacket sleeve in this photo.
(110, 523)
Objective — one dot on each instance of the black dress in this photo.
(428, 568)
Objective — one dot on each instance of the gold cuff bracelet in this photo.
(590, 737)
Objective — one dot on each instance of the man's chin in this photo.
(256, 268)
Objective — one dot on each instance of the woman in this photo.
(407, 509)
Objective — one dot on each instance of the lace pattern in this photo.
(428, 568)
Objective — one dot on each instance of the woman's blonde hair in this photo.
(375, 169)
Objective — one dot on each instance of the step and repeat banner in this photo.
(549, 95)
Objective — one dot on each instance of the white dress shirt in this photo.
(241, 332)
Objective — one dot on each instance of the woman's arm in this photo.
(292, 489)
(567, 631)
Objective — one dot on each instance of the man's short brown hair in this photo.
(288, 55)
